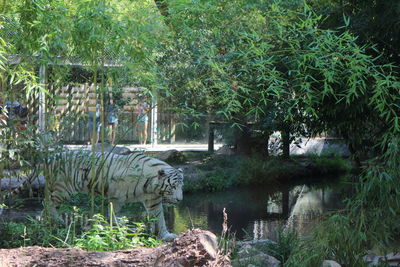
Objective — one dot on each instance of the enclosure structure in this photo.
(82, 99)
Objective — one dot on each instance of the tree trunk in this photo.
(285, 143)
(242, 141)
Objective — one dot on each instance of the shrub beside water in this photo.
(330, 165)
(286, 243)
(221, 172)
(346, 246)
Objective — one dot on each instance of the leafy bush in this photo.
(219, 180)
(101, 236)
(105, 236)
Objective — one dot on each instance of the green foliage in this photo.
(82, 201)
(292, 75)
(105, 236)
(346, 246)
(12, 234)
(278, 57)
(378, 197)
(223, 172)
(31, 233)
(330, 165)
(218, 180)
(256, 170)
(286, 243)
(372, 21)
(101, 236)
(370, 220)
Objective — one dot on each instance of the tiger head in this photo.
(171, 181)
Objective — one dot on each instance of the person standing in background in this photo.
(96, 123)
(142, 122)
(112, 119)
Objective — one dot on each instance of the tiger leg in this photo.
(58, 194)
(155, 210)
(51, 210)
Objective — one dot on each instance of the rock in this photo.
(14, 182)
(372, 259)
(250, 255)
(189, 249)
(171, 155)
(258, 259)
(225, 150)
(330, 263)
(258, 242)
(209, 242)
(321, 146)
(120, 150)
(393, 259)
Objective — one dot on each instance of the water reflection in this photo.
(255, 213)
(25, 208)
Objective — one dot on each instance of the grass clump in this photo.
(347, 246)
(286, 242)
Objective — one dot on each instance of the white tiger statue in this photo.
(124, 179)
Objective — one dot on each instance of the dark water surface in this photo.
(257, 212)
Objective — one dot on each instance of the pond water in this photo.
(257, 212)
(253, 213)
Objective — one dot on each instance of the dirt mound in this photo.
(193, 248)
